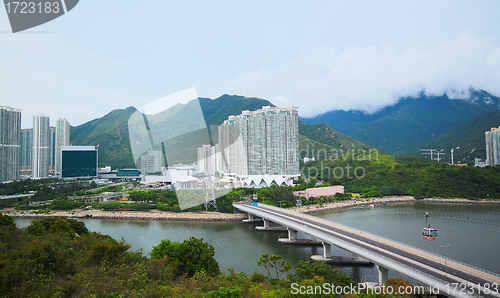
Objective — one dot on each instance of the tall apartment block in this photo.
(52, 148)
(61, 139)
(206, 159)
(26, 162)
(261, 142)
(10, 135)
(41, 146)
(151, 161)
(493, 146)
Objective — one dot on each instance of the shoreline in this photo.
(215, 216)
(460, 201)
(141, 215)
(352, 203)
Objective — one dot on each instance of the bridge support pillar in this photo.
(250, 216)
(327, 250)
(356, 257)
(382, 274)
(291, 234)
(266, 223)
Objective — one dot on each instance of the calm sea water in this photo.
(470, 234)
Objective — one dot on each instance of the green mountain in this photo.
(411, 121)
(467, 140)
(111, 132)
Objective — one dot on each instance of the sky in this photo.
(316, 55)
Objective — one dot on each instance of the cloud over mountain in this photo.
(372, 77)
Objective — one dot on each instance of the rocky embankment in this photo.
(460, 201)
(352, 204)
(149, 215)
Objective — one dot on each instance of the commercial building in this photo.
(26, 162)
(151, 162)
(10, 137)
(493, 146)
(265, 141)
(41, 146)
(62, 139)
(52, 149)
(78, 161)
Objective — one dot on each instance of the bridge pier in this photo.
(266, 227)
(327, 250)
(292, 240)
(252, 219)
(383, 274)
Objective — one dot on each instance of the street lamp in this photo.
(445, 264)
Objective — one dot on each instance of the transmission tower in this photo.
(209, 193)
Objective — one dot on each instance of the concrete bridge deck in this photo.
(450, 278)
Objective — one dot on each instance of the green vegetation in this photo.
(468, 138)
(59, 257)
(411, 121)
(389, 175)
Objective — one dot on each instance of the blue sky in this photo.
(317, 55)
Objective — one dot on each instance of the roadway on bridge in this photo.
(429, 264)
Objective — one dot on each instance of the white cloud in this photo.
(370, 78)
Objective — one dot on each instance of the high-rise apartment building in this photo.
(52, 148)
(10, 135)
(41, 146)
(26, 162)
(206, 158)
(62, 139)
(493, 146)
(151, 162)
(261, 142)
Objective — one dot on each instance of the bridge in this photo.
(441, 275)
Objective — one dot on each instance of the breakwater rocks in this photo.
(460, 201)
(352, 204)
(151, 215)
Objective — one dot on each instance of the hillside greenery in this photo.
(467, 140)
(59, 257)
(411, 121)
(378, 174)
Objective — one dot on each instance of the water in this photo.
(472, 233)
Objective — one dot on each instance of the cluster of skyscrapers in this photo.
(265, 141)
(35, 150)
(493, 147)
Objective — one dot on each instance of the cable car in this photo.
(428, 232)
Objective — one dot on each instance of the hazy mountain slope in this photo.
(110, 132)
(411, 121)
(469, 137)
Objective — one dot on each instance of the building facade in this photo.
(206, 159)
(10, 138)
(493, 146)
(78, 161)
(261, 142)
(62, 139)
(26, 162)
(151, 162)
(41, 146)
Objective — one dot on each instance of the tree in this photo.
(191, 256)
(273, 265)
(7, 221)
